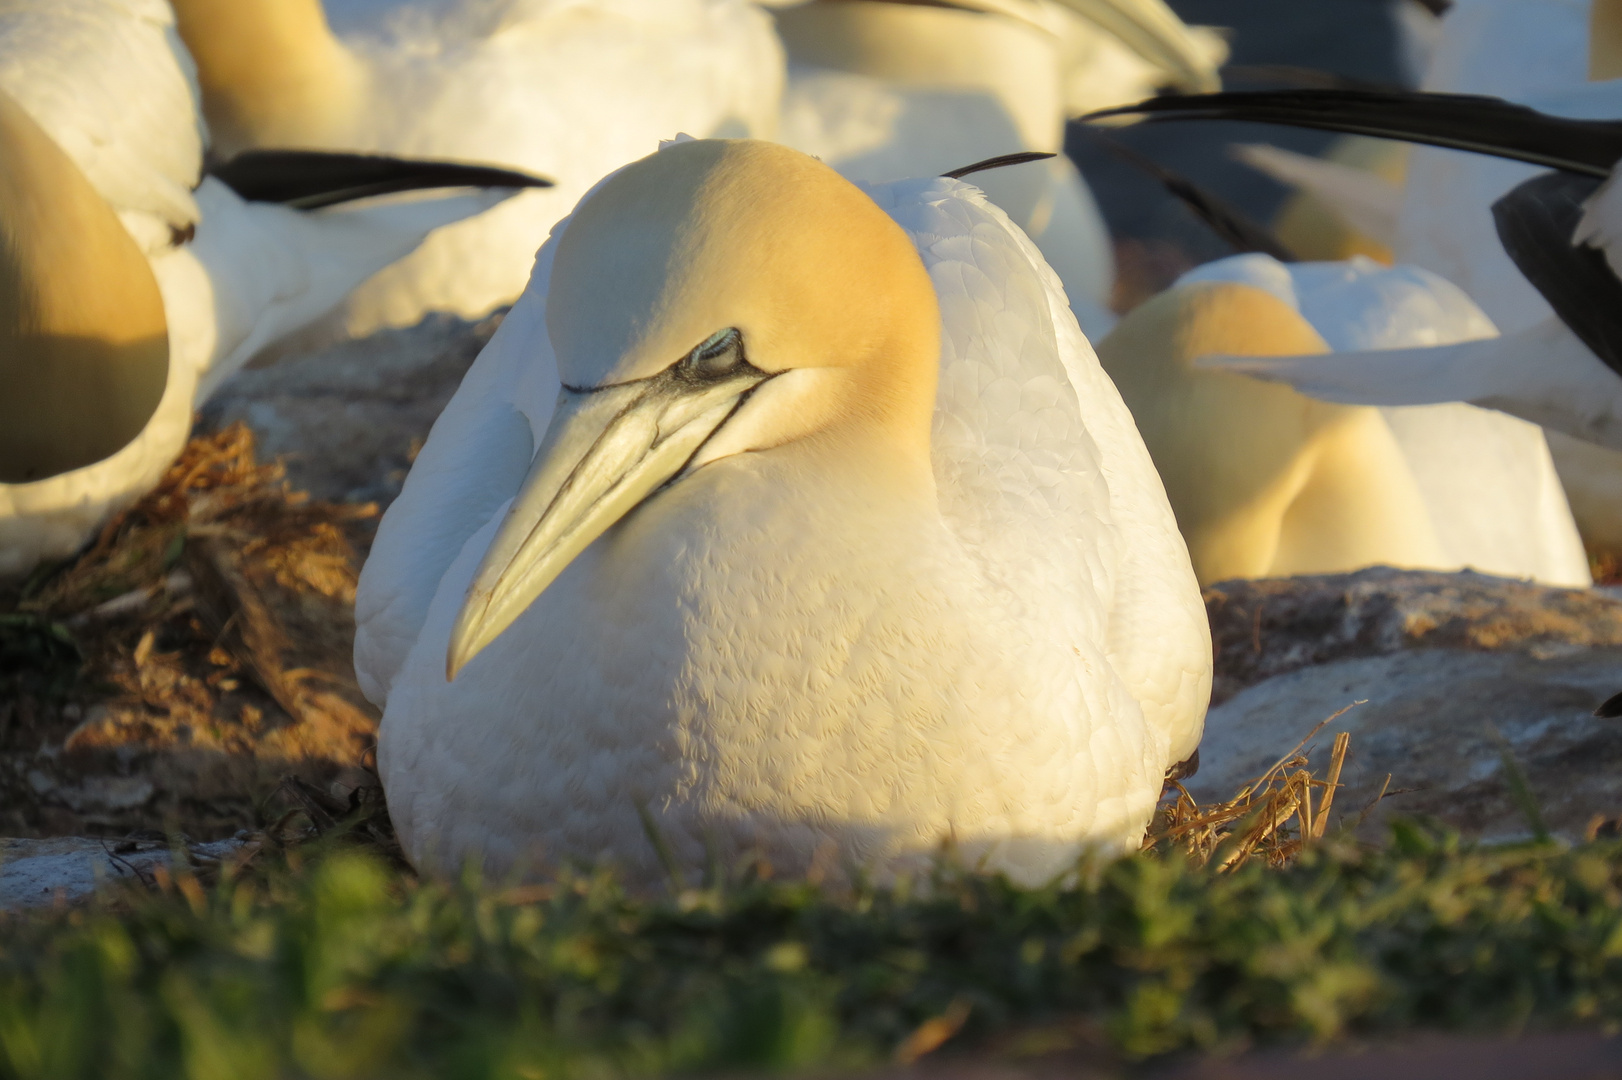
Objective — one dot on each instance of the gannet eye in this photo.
(720, 355)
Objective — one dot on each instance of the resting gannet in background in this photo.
(1488, 485)
(100, 109)
(835, 534)
(1562, 57)
(883, 90)
(567, 88)
(1264, 482)
(1560, 229)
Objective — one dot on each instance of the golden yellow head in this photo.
(714, 234)
(84, 351)
(715, 298)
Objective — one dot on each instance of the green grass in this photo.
(335, 966)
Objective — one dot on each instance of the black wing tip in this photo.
(1232, 225)
(1610, 708)
(999, 162)
(1470, 122)
(312, 179)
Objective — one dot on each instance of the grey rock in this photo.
(1455, 671)
(1268, 627)
(348, 418)
(71, 869)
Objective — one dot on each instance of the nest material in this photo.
(1274, 817)
(198, 652)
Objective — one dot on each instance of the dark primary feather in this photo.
(1485, 125)
(1233, 225)
(998, 162)
(1535, 223)
(311, 179)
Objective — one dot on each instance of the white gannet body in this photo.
(569, 89)
(884, 90)
(1486, 479)
(109, 86)
(790, 567)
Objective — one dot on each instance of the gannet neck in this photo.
(1604, 40)
(716, 298)
(1262, 483)
(938, 48)
(272, 72)
(83, 342)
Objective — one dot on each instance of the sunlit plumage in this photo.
(921, 584)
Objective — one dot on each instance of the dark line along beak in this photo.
(604, 452)
(1535, 224)
(312, 179)
(1483, 125)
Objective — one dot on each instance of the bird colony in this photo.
(811, 501)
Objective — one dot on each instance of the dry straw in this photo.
(1275, 817)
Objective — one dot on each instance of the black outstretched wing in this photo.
(1535, 222)
(311, 179)
(1485, 125)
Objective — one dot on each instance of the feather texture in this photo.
(803, 658)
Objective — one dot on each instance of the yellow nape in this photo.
(1314, 231)
(84, 349)
(1264, 481)
(1604, 40)
(272, 72)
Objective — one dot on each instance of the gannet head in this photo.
(84, 351)
(718, 297)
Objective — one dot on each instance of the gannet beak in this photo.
(604, 452)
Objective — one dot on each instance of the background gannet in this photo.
(1559, 229)
(883, 90)
(566, 88)
(1265, 482)
(1488, 484)
(107, 87)
(790, 565)
(1562, 57)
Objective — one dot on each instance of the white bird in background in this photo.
(567, 88)
(1562, 57)
(1561, 230)
(1486, 479)
(102, 105)
(1264, 482)
(883, 90)
(781, 565)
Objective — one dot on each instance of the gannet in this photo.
(569, 89)
(101, 107)
(792, 519)
(1559, 229)
(1488, 485)
(883, 90)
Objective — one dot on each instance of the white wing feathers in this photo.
(274, 270)
(1037, 460)
(1543, 374)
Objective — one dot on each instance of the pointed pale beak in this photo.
(603, 453)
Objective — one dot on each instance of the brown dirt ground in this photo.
(197, 654)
